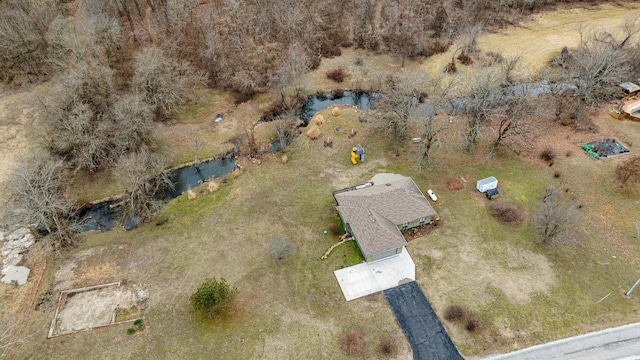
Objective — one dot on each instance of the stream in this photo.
(104, 215)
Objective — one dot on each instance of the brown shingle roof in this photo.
(373, 232)
(389, 204)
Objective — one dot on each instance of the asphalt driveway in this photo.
(424, 331)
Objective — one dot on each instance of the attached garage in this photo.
(385, 254)
(376, 214)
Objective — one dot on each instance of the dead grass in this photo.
(300, 308)
(547, 33)
(20, 125)
(352, 342)
(294, 310)
(455, 184)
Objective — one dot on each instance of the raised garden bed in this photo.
(604, 148)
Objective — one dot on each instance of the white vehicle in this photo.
(432, 195)
(487, 184)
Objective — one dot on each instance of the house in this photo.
(375, 215)
(629, 106)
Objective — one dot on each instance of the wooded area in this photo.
(116, 67)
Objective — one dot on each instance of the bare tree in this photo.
(628, 170)
(23, 44)
(403, 28)
(129, 125)
(8, 338)
(195, 143)
(427, 116)
(164, 82)
(87, 127)
(513, 129)
(483, 93)
(67, 45)
(630, 27)
(11, 335)
(142, 173)
(364, 32)
(286, 127)
(400, 101)
(596, 69)
(509, 65)
(290, 71)
(556, 216)
(600, 63)
(101, 28)
(37, 198)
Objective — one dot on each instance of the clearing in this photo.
(524, 293)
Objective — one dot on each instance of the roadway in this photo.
(620, 343)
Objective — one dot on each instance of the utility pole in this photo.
(628, 293)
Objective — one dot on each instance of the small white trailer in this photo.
(487, 184)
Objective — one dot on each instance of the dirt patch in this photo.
(420, 231)
(455, 184)
(89, 267)
(88, 309)
(65, 275)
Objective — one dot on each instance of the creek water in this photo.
(105, 215)
(315, 103)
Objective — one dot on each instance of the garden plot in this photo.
(96, 306)
(604, 148)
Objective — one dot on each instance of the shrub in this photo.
(548, 155)
(318, 120)
(464, 58)
(335, 229)
(131, 331)
(454, 313)
(506, 212)
(282, 248)
(212, 186)
(472, 323)
(337, 75)
(139, 324)
(212, 297)
(352, 342)
(388, 347)
(451, 68)
(313, 132)
(337, 93)
(492, 58)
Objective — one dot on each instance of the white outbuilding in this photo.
(487, 184)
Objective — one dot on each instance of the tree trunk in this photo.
(128, 14)
(135, 2)
(151, 6)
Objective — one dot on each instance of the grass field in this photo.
(537, 39)
(524, 293)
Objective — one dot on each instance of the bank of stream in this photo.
(105, 215)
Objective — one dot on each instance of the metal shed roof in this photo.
(630, 87)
